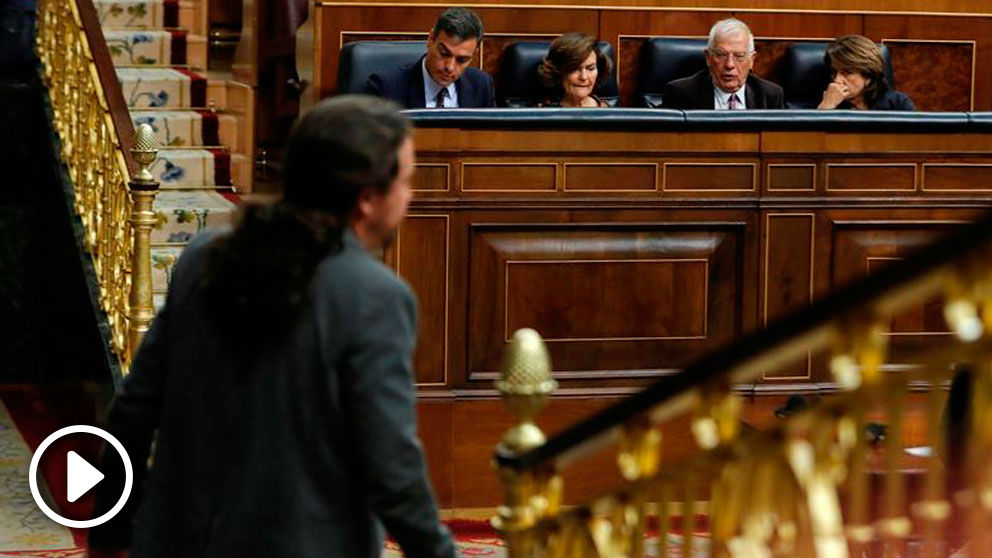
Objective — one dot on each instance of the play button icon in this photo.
(80, 476)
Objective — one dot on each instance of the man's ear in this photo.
(364, 205)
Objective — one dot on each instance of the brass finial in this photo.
(144, 152)
(525, 385)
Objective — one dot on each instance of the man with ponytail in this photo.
(276, 381)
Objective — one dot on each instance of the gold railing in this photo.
(812, 484)
(115, 210)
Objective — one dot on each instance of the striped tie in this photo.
(733, 104)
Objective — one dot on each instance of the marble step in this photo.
(144, 48)
(141, 14)
(189, 128)
(181, 215)
(192, 168)
(162, 87)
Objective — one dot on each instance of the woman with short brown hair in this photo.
(858, 78)
(572, 70)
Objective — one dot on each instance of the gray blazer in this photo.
(308, 450)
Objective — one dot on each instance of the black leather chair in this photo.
(664, 60)
(361, 59)
(520, 86)
(806, 74)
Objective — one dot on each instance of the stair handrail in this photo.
(805, 452)
(113, 193)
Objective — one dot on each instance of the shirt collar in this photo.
(431, 87)
(725, 97)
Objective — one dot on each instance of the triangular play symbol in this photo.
(80, 476)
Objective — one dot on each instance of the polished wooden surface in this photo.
(941, 54)
(634, 251)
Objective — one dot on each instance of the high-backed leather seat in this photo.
(520, 86)
(361, 59)
(806, 74)
(664, 60)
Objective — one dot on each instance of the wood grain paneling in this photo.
(570, 300)
(706, 176)
(788, 276)
(604, 294)
(591, 177)
(957, 177)
(510, 177)
(863, 245)
(870, 177)
(791, 177)
(926, 317)
(422, 256)
(432, 176)
(915, 63)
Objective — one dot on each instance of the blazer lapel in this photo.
(751, 98)
(463, 89)
(416, 86)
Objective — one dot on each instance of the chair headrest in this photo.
(520, 85)
(361, 59)
(806, 74)
(664, 60)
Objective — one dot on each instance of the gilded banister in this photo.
(814, 484)
(97, 139)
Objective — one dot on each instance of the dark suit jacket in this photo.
(890, 100)
(307, 450)
(696, 93)
(405, 85)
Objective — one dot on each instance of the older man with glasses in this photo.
(727, 84)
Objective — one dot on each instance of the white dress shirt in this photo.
(431, 89)
(721, 99)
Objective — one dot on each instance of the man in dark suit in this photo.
(727, 83)
(442, 78)
(276, 380)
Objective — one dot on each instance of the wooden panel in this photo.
(510, 177)
(432, 176)
(788, 276)
(611, 177)
(926, 317)
(791, 177)
(617, 301)
(957, 177)
(713, 177)
(422, 255)
(869, 177)
(915, 63)
(567, 300)
(862, 245)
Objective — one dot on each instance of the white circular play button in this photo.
(81, 476)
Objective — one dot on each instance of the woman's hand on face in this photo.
(833, 95)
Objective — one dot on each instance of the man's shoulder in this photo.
(395, 75)
(689, 82)
(355, 273)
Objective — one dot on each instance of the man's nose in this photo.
(729, 63)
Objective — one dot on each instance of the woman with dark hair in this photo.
(572, 70)
(276, 380)
(857, 75)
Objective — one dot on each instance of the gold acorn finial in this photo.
(525, 385)
(144, 152)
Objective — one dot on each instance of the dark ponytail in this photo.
(259, 275)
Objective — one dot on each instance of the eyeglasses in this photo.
(721, 55)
